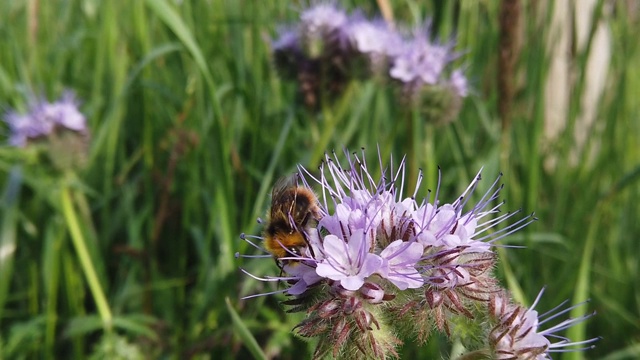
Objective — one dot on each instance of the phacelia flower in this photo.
(323, 18)
(58, 128)
(377, 254)
(459, 83)
(374, 37)
(328, 48)
(399, 266)
(322, 28)
(375, 42)
(348, 262)
(421, 61)
(518, 333)
(43, 118)
(423, 72)
(287, 53)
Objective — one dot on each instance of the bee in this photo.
(294, 209)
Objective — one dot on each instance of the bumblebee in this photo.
(294, 209)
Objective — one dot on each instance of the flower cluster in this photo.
(329, 47)
(517, 335)
(378, 264)
(59, 125)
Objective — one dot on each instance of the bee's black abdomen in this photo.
(277, 226)
(302, 208)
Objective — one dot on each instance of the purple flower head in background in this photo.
(323, 18)
(43, 118)
(459, 83)
(322, 29)
(374, 37)
(288, 40)
(421, 61)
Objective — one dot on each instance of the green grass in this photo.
(190, 129)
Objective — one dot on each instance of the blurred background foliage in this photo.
(191, 126)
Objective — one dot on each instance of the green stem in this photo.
(415, 125)
(431, 162)
(54, 241)
(331, 118)
(329, 127)
(85, 260)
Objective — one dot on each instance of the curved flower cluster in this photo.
(517, 335)
(43, 118)
(59, 126)
(379, 263)
(329, 47)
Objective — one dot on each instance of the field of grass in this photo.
(133, 255)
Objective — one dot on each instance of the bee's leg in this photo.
(304, 236)
(305, 219)
(279, 265)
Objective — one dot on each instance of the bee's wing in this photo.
(282, 201)
(283, 184)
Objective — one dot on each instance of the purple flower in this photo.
(374, 37)
(421, 61)
(370, 227)
(349, 215)
(323, 18)
(518, 333)
(24, 127)
(322, 30)
(448, 226)
(371, 235)
(399, 264)
(43, 118)
(459, 83)
(348, 262)
(65, 112)
(302, 276)
(288, 41)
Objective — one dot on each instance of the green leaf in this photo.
(243, 332)
(8, 220)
